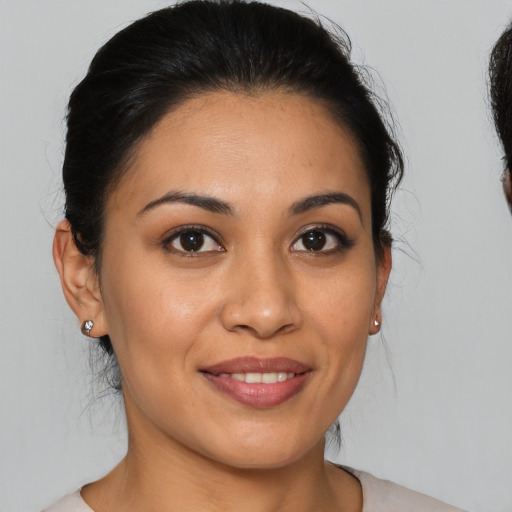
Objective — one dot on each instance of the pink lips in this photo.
(259, 394)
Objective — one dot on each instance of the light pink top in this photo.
(378, 496)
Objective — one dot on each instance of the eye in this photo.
(321, 240)
(191, 240)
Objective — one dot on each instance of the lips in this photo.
(258, 382)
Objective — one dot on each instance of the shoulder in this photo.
(70, 503)
(378, 496)
(385, 496)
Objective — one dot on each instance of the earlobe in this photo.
(383, 271)
(78, 278)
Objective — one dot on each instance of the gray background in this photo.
(434, 411)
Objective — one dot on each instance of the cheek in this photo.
(154, 323)
(343, 303)
(154, 315)
(340, 313)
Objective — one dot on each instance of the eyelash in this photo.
(343, 242)
(179, 231)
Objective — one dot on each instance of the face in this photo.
(239, 280)
(507, 188)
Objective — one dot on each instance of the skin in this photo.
(507, 188)
(253, 291)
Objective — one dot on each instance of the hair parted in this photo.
(158, 62)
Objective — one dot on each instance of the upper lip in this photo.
(257, 365)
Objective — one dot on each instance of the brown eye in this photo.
(322, 240)
(192, 240)
(314, 240)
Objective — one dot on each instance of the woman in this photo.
(500, 73)
(227, 181)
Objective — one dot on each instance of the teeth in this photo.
(256, 378)
(269, 378)
(253, 378)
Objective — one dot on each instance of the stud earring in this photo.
(87, 328)
(375, 328)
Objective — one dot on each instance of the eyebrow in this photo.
(317, 201)
(215, 205)
(210, 204)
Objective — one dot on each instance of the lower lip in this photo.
(259, 395)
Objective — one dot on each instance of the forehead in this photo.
(280, 145)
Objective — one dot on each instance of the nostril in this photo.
(260, 309)
(286, 328)
(266, 331)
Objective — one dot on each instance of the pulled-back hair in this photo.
(199, 46)
(500, 73)
(500, 90)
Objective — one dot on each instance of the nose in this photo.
(261, 300)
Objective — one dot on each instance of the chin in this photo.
(267, 454)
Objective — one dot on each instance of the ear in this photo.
(383, 271)
(79, 281)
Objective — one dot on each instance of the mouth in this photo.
(259, 383)
(259, 378)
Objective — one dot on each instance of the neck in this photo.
(161, 474)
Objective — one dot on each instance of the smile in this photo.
(259, 383)
(257, 378)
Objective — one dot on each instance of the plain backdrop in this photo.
(433, 410)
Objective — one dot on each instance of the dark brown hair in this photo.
(156, 63)
(500, 89)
